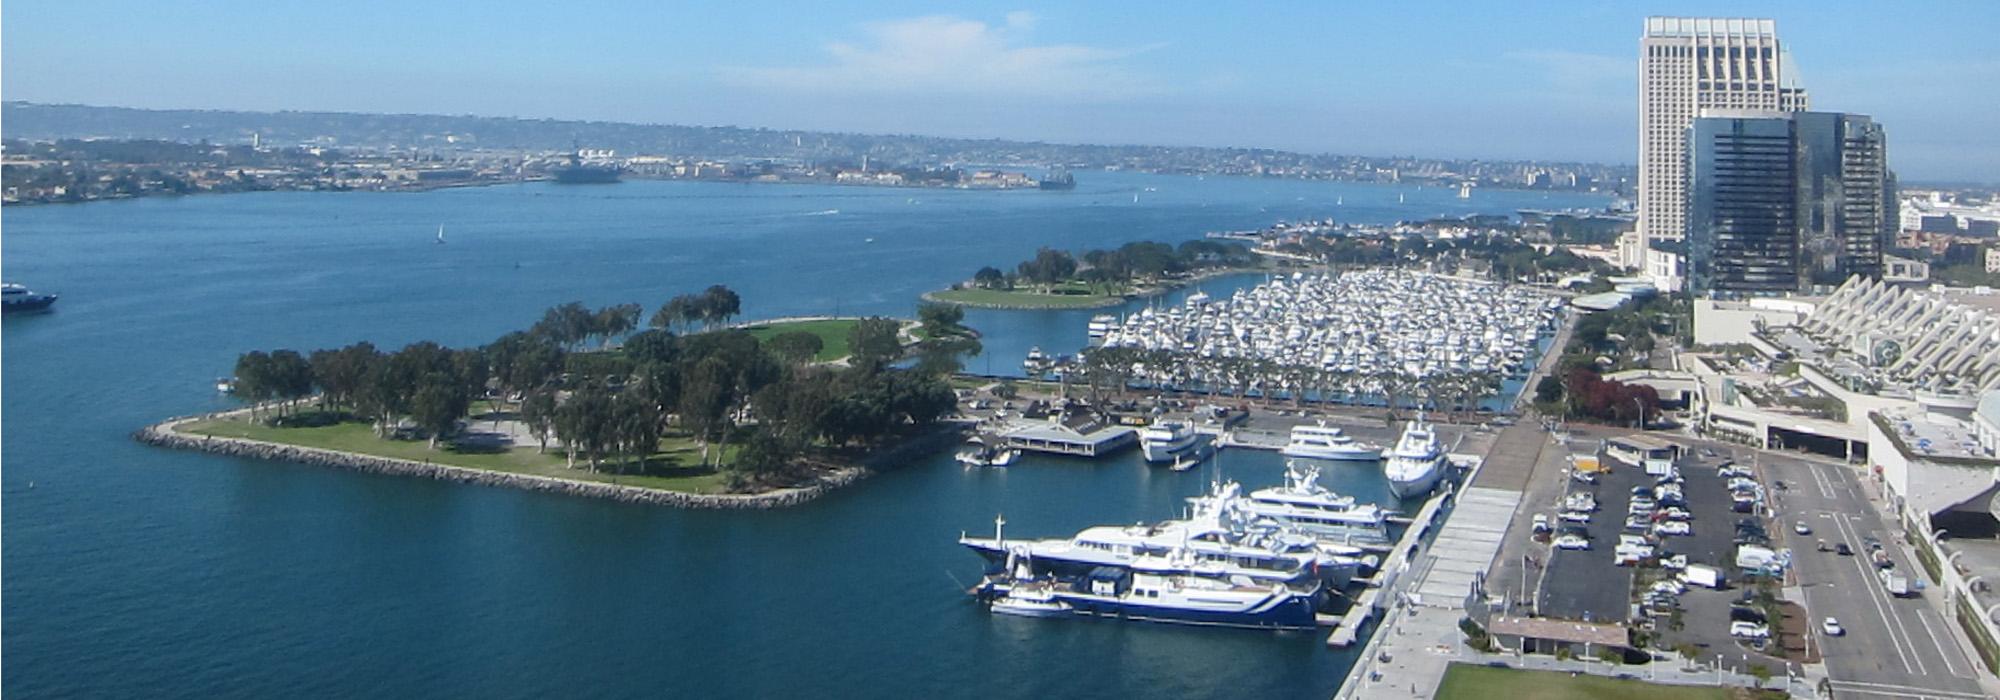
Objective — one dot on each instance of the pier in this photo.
(1400, 567)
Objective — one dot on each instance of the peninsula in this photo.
(1056, 279)
(690, 412)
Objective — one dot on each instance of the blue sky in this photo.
(1511, 79)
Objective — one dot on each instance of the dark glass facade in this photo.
(1784, 202)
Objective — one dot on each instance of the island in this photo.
(1057, 279)
(691, 411)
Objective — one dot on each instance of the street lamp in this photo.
(1642, 411)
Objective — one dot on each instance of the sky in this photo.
(1504, 80)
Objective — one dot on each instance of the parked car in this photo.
(1584, 477)
(1676, 514)
(1678, 561)
(1638, 523)
(1572, 542)
(1541, 523)
(1832, 628)
(1801, 529)
(1842, 549)
(1573, 516)
(1672, 527)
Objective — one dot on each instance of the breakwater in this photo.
(166, 434)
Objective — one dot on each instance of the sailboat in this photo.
(1399, 198)
(440, 238)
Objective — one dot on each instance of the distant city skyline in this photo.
(1540, 81)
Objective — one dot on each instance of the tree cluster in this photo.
(613, 406)
(1124, 265)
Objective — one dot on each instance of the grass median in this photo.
(1465, 682)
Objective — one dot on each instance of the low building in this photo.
(1080, 433)
(1903, 270)
(1540, 635)
(1732, 322)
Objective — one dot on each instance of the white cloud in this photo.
(943, 55)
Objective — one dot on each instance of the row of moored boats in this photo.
(1270, 559)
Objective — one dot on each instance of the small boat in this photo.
(980, 454)
(15, 298)
(1193, 600)
(440, 238)
(225, 385)
(1029, 601)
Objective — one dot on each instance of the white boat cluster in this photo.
(1366, 322)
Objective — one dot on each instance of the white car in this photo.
(1832, 628)
(1749, 630)
(1672, 527)
(1678, 561)
(1677, 514)
(1800, 528)
(1572, 542)
(1575, 516)
(1584, 477)
(1541, 522)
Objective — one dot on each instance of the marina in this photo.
(1344, 336)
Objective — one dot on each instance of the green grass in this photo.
(833, 335)
(673, 468)
(1463, 682)
(1023, 299)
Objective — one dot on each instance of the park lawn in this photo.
(833, 334)
(666, 472)
(1023, 299)
(1467, 682)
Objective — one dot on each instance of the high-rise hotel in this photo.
(1687, 65)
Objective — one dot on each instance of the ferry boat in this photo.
(1418, 461)
(1164, 441)
(1322, 441)
(1191, 600)
(15, 298)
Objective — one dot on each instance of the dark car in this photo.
(1843, 550)
(1742, 613)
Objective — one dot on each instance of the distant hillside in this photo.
(39, 122)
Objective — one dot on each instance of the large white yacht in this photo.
(1322, 441)
(1417, 462)
(1167, 440)
(1304, 505)
(1211, 543)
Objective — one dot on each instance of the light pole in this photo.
(1642, 411)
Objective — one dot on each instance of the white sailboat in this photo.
(440, 238)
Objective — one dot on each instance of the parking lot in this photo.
(1590, 584)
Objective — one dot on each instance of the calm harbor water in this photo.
(133, 571)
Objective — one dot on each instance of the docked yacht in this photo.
(1192, 600)
(1418, 461)
(1032, 600)
(15, 298)
(1323, 441)
(1165, 441)
(1304, 503)
(1100, 325)
(1212, 543)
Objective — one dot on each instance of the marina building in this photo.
(1687, 65)
(1783, 202)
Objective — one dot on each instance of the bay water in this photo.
(132, 571)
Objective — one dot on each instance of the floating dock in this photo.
(1386, 577)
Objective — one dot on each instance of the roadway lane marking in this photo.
(1902, 690)
(1943, 651)
(1825, 485)
(1875, 596)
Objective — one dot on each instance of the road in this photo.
(1894, 647)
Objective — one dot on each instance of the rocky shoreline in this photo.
(166, 434)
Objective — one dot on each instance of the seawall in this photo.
(165, 434)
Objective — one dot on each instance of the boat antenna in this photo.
(999, 521)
